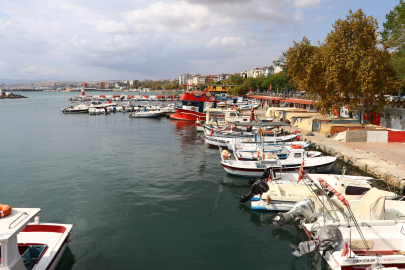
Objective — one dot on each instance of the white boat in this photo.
(284, 191)
(36, 245)
(279, 149)
(78, 108)
(144, 113)
(97, 111)
(100, 105)
(351, 234)
(288, 163)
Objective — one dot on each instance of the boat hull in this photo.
(187, 115)
(250, 171)
(75, 111)
(280, 206)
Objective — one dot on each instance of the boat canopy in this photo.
(262, 124)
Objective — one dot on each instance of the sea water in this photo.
(141, 193)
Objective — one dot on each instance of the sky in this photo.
(98, 40)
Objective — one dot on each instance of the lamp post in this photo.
(277, 88)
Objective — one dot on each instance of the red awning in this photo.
(265, 97)
(298, 101)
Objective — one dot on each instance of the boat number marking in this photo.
(364, 261)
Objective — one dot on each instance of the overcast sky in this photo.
(147, 39)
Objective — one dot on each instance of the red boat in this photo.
(193, 106)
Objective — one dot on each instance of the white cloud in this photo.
(111, 27)
(321, 18)
(155, 38)
(228, 42)
(307, 3)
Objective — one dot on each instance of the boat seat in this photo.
(284, 198)
(359, 244)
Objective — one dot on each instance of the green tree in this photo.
(281, 61)
(394, 35)
(349, 68)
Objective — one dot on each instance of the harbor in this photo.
(166, 183)
(201, 135)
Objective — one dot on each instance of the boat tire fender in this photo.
(403, 190)
(313, 170)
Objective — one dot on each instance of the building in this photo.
(101, 85)
(183, 78)
(267, 71)
(278, 69)
(110, 85)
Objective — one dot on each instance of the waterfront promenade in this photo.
(383, 160)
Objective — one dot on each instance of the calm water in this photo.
(139, 194)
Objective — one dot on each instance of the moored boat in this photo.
(78, 108)
(34, 245)
(193, 106)
(289, 162)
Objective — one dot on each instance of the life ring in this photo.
(5, 210)
(296, 146)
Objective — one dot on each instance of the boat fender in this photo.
(296, 146)
(69, 238)
(5, 210)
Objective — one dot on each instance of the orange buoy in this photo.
(5, 210)
(295, 146)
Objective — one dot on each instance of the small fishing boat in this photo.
(78, 108)
(145, 113)
(350, 234)
(35, 245)
(284, 191)
(288, 162)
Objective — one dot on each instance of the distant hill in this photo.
(10, 81)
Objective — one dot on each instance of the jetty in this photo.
(11, 96)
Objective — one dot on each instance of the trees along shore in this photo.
(350, 68)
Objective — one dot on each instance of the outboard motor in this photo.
(258, 188)
(304, 209)
(327, 238)
(265, 176)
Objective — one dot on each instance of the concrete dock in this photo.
(382, 160)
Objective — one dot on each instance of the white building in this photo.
(267, 71)
(278, 69)
(183, 78)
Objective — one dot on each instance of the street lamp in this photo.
(277, 88)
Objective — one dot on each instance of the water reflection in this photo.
(67, 261)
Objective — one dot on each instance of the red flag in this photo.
(212, 132)
(2, 83)
(251, 89)
(345, 250)
(301, 173)
(85, 84)
(270, 87)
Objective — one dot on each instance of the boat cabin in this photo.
(13, 255)
(215, 116)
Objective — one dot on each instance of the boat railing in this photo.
(396, 220)
(22, 213)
